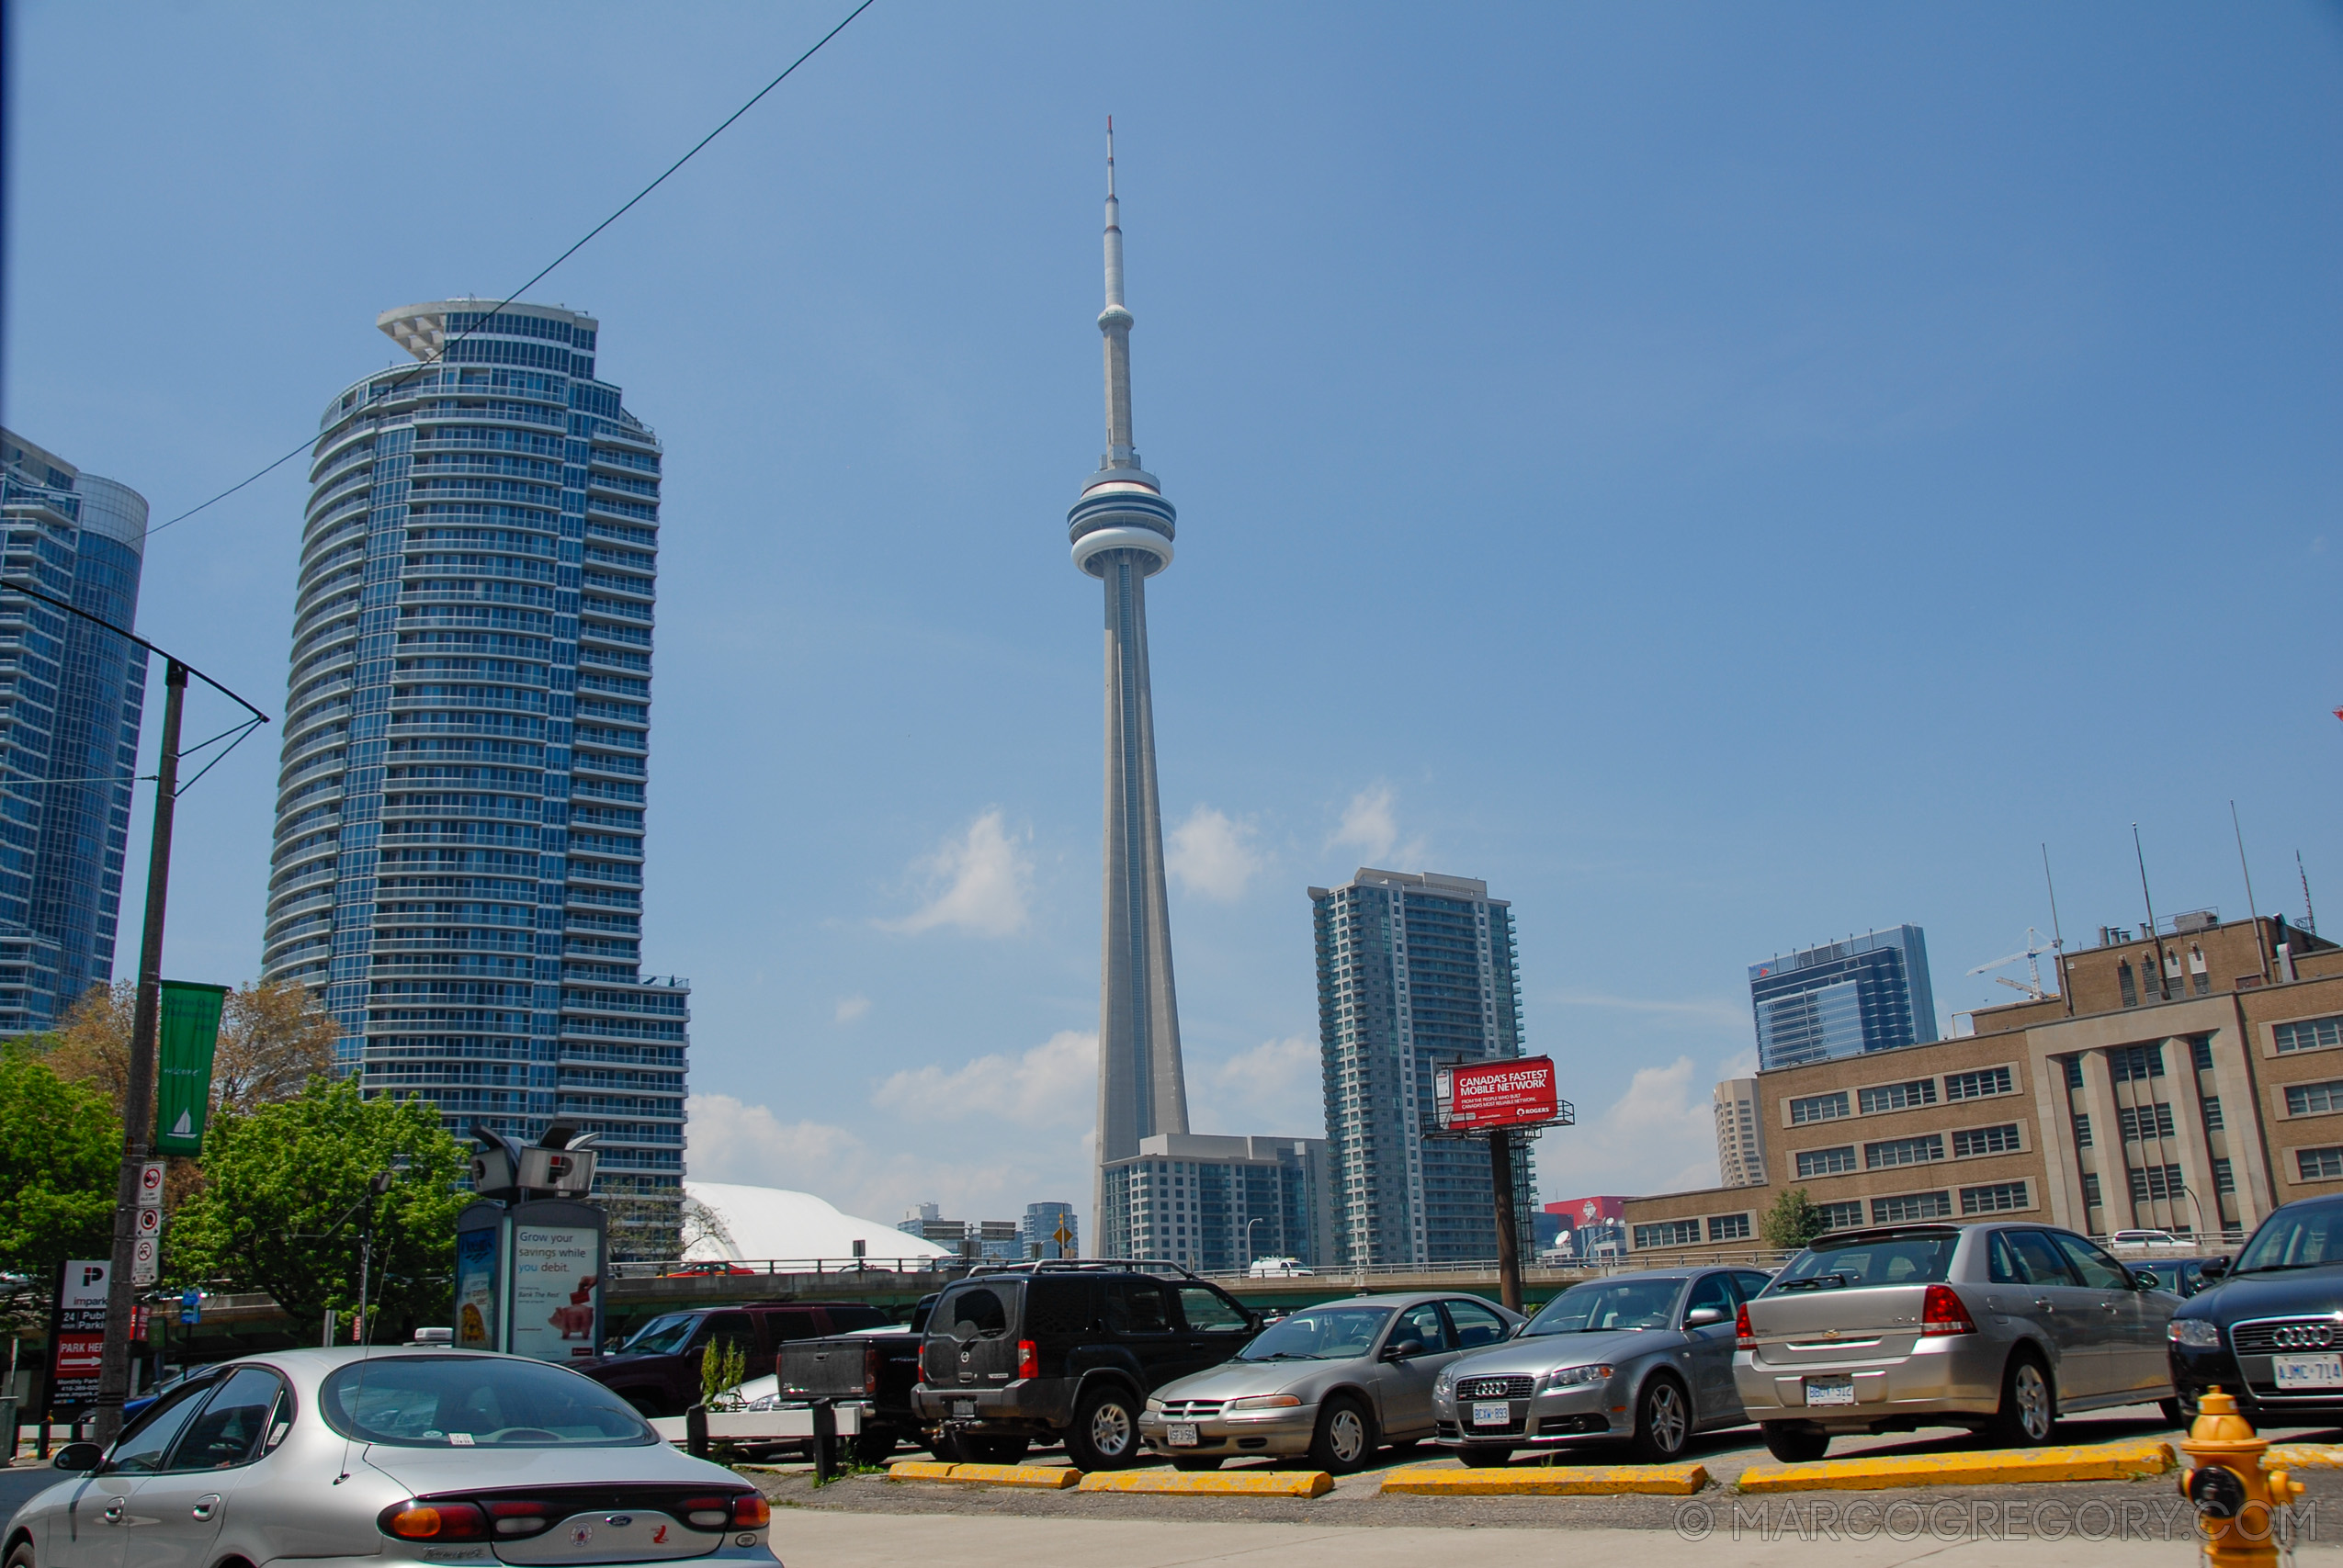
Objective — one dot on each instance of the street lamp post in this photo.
(1250, 1258)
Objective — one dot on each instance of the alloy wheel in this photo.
(1110, 1428)
(2033, 1401)
(1346, 1435)
(1668, 1421)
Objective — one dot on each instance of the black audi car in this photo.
(2268, 1327)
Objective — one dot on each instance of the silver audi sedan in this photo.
(1332, 1381)
(350, 1458)
(1648, 1356)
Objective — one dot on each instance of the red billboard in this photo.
(1578, 1212)
(1513, 1093)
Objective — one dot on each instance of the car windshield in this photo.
(1320, 1334)
(1603, 1305)
(476, 1400)
(660, 1336)
(1875, 1261)
(2295, 1238)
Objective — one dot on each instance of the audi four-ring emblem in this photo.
(2304, 1335)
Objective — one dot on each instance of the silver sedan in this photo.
(1332, 1381)
(347, 1458)
(1647, 1357)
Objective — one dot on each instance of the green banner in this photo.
(189, 1032)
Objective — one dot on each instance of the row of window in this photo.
(1978, 1085)
(2309, 1033)
(1687, 1233)
(1888, 1153)
(2161, 1183)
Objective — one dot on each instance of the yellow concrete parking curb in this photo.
(2101, 1461)
(1550, 1480)
(1213, 1483)
(1047, 1477)
(2303, 1456)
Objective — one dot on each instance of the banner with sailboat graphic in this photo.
(188, 1033)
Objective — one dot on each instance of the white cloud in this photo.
(1660, 1136)
(852, 1008)
(1370, 826)
(979, 882)
(1271, 1090)
(1212, 855)
(1055, 1084)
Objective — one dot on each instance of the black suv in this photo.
(1067, 1350)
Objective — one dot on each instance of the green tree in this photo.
(1792, 1221)
(61, 1153)
(287, 1200)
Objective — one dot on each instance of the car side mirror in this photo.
(1401, 1349)
(1701, 1318)
(2213, 1268)
(81, 1456)
(2147, 1281)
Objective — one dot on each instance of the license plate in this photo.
(964, 1409)
(1831, 1391)
(1491, 1413)
(1181, 1434)
(2307, 1372)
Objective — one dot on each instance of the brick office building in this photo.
(2191, 1081)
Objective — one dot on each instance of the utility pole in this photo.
(138, 1110)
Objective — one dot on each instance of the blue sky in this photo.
(1727, 476)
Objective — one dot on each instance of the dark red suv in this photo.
(657, 1369)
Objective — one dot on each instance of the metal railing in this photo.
(733, 1268)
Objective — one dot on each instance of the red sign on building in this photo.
(1577, 1212)
(1513, 1093)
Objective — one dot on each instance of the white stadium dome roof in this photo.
(723, 1219)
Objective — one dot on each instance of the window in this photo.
(734, 1327)
(1729, 1228)
(2142, 1123)
(2123, 979)
(142, 1448)
(2136, 1064)
(2156, 1184)
(1910, 1206)
(2097, 1270)
(1420, 1331)
(1826, 1162)
(1668, 1233)
(1898, 1096)
(1746, 1285)
(1840, 1217)
(428, 1402)
(2091, 1188)
(974, 1314)
(1474, 1324)
(1903, 1151)
(1714, 1290)
(1998, 1139)
(2224, 1179)
(2309, 1099)
(2074, 1066)
(2319, 1165)
(1977, 1085)
(2082, 1130)
(2200, 1053)
(1994, 1198)
(2027, 1258)
(1208, 1312)
(1135, 1307)
(1817, 1108)
(235, 1425)
(2309, 1033)
(2213, 1121)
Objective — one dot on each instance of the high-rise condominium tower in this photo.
(459, 820)
(1121, 529)
(1414, 973)
(1868, 993)
(69, 735)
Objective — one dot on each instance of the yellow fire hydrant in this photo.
(2236, 1498)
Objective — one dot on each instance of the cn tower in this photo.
(1121, 529)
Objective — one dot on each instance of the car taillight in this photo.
(413, 1521)
(706, 1512)
(1944, 1313)
(751, 1511)
(512, 1519)
(1028, 1358)
(872, 1361)
(1743, 1339)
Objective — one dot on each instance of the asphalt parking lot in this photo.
(2140, 1511)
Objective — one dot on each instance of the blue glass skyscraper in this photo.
(459, 827)
(1868, 993)
(69, 731)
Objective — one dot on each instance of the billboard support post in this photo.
(1495, 1099)
(1509, 1247)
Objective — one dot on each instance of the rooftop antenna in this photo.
(2310, 916)
(2057, 938)
(2154, 935)
(2253, 911)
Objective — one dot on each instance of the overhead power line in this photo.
(548, 268)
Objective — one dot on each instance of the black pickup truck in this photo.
(874, 1368)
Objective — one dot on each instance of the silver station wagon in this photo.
(1998, 1328)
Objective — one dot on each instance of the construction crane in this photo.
(2035, 947)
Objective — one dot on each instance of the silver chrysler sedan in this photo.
(1997, 1326)
(1332, 1381)
(381, 1458)
(1648, 1356)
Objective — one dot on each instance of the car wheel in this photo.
(873, 1447)
(2174, 1413)
(1344, 1441)
(976, 1449)
(2029, 1414)
(1485, 1456)
(646, 1405)
(1196, 1462)
(1663, 1421)
(1795, 1442)
(1105, 1433)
